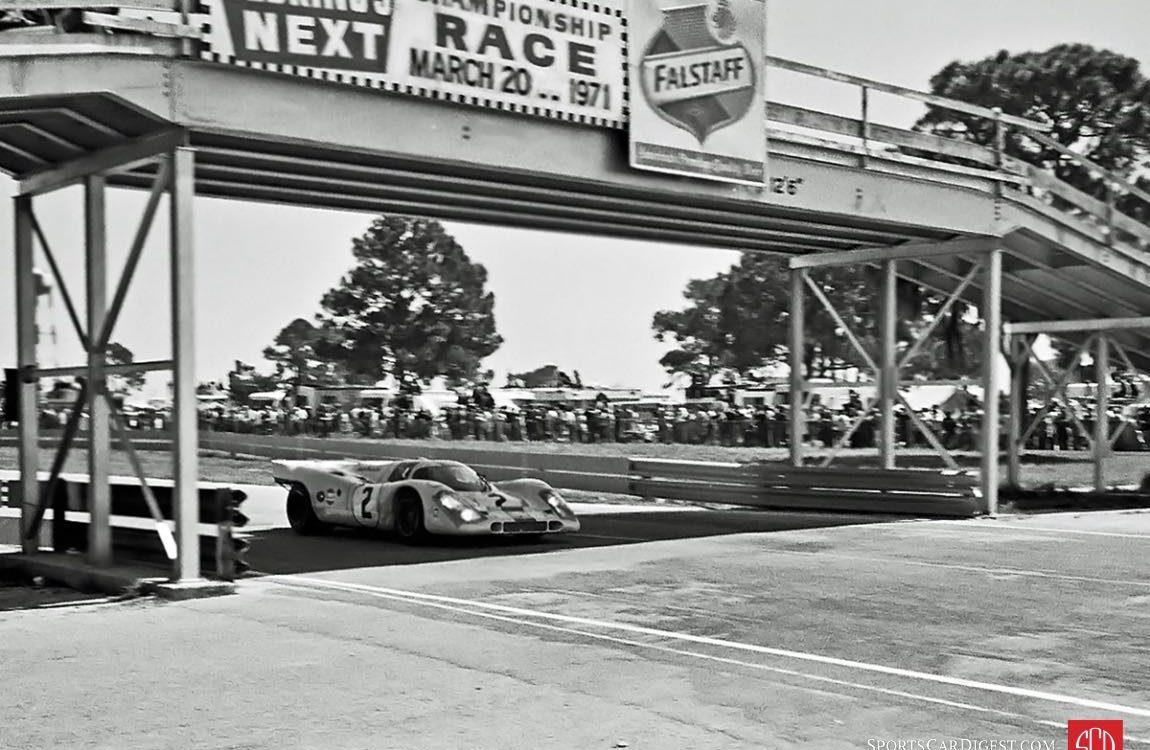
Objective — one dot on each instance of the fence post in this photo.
(864, 124)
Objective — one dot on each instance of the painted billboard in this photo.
(698, 101)
(553, 58)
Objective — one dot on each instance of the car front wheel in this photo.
(409, 519)
(301, 515)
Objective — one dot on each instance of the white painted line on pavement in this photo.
(682, 652)
(967, 568)
(736, 662)
(432, 599)
(1024, 526)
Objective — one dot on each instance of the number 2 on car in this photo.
(363, 504)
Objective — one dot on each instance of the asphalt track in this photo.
(653, 629)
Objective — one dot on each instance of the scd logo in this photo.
(1094, 735)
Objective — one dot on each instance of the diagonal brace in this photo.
(60, 283)
(1028, 352)
(70, 429)
(942, 311)
(842, 323)
(167, 538)
(928, 434)
(846, 436)
(1060, 388)
(159, 187)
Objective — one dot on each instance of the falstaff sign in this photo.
(555, 58)
(698, 103)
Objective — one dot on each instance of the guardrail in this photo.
(143, 532)
(573, 472)
(771, 485)
(759, 484)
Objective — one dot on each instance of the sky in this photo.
(582, 303)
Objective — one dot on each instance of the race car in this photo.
(415, 498)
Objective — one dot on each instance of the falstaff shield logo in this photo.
(693, 80)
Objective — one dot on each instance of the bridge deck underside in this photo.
(1043, 279)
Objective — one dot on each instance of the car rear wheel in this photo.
(409, 519)
(301, 515)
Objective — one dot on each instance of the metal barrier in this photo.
(758, 484)
(137, 533)
(814, 488)
(573, 472)
(949, 493)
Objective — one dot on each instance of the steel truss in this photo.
(174, 177)
(1100, 343)
(986, 257)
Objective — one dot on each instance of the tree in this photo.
(737, 322)
(733, 321)
(243, 381)
(122, 385)
(1097, 102)
(547, 376)
(293, 352)
(415, 303)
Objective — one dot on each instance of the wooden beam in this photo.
(1088, 203)
(848, 126)
(1077, 326)
(142, 26)
(123, 156)
(1075, 156)
(124, 369)
(890, 88)
(910, 251)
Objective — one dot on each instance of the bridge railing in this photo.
(874, 140)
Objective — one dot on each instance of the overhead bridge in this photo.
(140, 104)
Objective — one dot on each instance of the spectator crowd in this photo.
(764, 426)
(477, 418)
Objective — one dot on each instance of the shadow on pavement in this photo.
(281, 551)
(19, 595)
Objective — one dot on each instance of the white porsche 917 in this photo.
(414, 498)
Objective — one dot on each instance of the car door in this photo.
(371, 504)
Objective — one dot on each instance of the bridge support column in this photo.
(888, 369)
(29, 413)
(99, 445)
(991, 380)
(797, 344)
(1019, 356)
(174, 176)
(1101, 412)
(184, 452)
(1104, 334)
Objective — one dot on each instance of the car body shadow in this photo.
(280, 551)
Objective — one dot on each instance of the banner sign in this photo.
(698, 101)
(555, 58)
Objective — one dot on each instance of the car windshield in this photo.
(456, 476)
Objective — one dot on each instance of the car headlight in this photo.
(449, 501)
(555, 500)
(470, 514)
